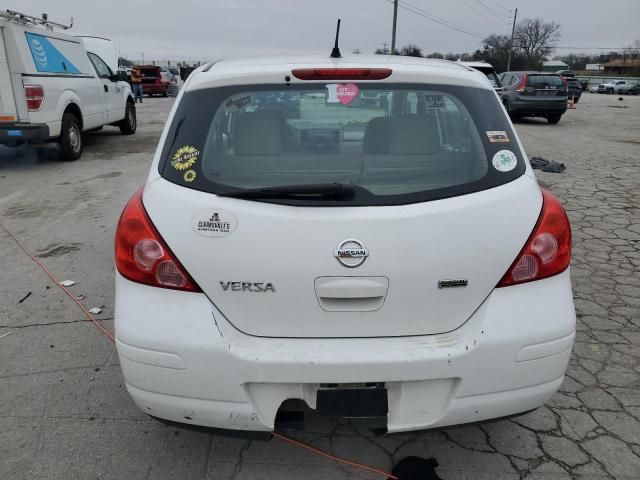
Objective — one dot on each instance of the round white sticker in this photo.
(214, 223)
(505, 161)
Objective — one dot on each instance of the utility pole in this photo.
(513, 31)
(393, 33)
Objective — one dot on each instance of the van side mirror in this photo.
(121, 77)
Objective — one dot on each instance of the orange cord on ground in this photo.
(57, 282)
(110, 335)
(333, 457)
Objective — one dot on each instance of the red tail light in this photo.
(142, 255)
(522, 84)
(341, 73)
(565, 83)
(548, 249)
(35, 96)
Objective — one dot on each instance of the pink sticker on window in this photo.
(347, 93)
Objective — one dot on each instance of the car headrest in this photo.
(412, 134)
(258, 133)
(376, 136)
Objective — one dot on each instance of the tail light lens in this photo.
(565, 84)
(522, 84)
(142, 255)
(548, 249)
(35, 96)
(341, 73)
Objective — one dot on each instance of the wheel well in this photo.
(73, 108)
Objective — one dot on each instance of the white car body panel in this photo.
(183, 361)
(301, 242)
(223, 361)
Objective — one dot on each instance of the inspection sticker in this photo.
(185, 157)
(498, 136)
(214, 223)
(505, 161)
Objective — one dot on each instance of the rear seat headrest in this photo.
(412, 134)
(258, 133)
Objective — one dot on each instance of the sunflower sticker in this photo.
(185, 157)
(189, 176)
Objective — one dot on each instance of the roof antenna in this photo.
(335, 53)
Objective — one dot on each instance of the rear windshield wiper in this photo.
(311, 191)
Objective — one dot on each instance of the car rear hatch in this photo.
(150, 75)
(393, 224)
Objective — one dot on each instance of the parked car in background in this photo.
(169, 75)
(614, 86)
(489, 72)
(634, 90)
(154, 80)
(185, 72)
(566, 73)
(594, 89)
(534, 94)
(574, 88)
(435, 288)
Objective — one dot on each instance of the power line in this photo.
(482, 14)
(595, 48)
(493, 2)
(434, 18)
(491, 10)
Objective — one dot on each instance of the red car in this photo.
(154, 81)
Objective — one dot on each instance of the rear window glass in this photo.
(397, 143)
(544, 81)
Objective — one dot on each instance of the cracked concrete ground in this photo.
(65, 414)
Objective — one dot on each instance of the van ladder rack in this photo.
(25, 19)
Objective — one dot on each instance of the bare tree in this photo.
(536, 38)
(411, 50)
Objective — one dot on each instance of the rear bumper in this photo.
(154, 87)
(21, 133)
(539, 108)
(182, 361)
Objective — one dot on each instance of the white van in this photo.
(52, 88)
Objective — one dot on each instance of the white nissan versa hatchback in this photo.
(392, 259)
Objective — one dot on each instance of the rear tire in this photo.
(129, 124)
(553, 119)
(70, 138)
(166, 92)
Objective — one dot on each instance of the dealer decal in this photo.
(214, 223)
(497, 136)
(435, 101)
(238, 102)
(185, 158)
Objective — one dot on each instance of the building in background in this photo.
(554, 66)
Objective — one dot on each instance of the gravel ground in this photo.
(64, 412)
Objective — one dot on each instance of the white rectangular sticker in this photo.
(498, 136)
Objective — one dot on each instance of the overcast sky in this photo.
(209, 29)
